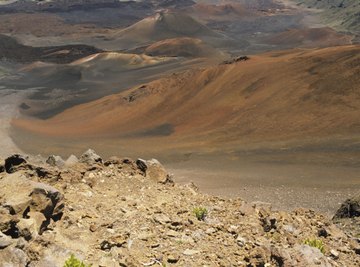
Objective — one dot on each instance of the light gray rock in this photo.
(71, 161)
(55, 161)
(5, 241)
(154, 170)
(309, 256)
(90, 157)
(11, 257)
(191, 252)
(161, 218)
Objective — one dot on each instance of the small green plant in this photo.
(316, 243)
(200, 213)
(74, 262)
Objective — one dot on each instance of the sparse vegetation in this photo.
(74, 262)
(316, 243)
(200, 213)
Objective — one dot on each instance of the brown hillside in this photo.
(183, 47)
(163, 25)
(312, 37)
(276, 96)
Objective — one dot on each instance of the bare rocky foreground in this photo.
(122, 212)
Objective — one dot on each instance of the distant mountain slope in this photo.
(309, 37)
(345, 14)
(278, 96)
(164, 25)
(181, 47)
(12, 50)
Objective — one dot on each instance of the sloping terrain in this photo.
(117, 213)
(182, 47)
(277, 96)
(309, 37)
(343, 14)
(163, 25)
(222, 12)
(12, 50)
(62, 85)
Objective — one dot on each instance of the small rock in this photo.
(5, 241)
(334, 254)
(71, 161)
(241, 241)
(161, 218)
(13, 161)
(350, 208)
(210, 231)
(28, 228)
(90, 157)
(154, 170)
(112, 161)
(173, 258)
(322, 232)
(172, 233)
(190, 252)
(55, 161)
(141, 164)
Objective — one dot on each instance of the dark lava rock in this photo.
(12, 161)
(349, 209)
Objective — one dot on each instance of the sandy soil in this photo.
(9, 101)
(319, 186)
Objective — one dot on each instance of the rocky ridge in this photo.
(124, 212)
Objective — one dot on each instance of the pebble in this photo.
(190, 252)
(334, 254)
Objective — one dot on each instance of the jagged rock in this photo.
(71, 161)
(90, 157)
(154, 170)
(30, 199)
(141, 164)
(28, 228)
(159, 222)
(55, 161)
(350, 208)
(13, 161)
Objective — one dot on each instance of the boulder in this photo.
(13, 161)
(55, 161)
(154, 170)
(90, 157)
(349, 209)
(32, 200)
